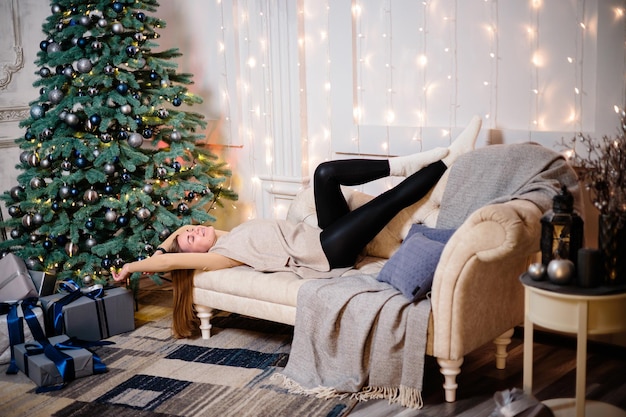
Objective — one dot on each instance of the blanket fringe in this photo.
(402, 395)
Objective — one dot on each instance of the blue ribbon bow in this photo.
(73, 293)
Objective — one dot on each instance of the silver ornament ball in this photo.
(55, 96)
(109, 169)
(135, 140)
(117, 28)
(560, 271)
(53, 47)
(84, 65)
(176, 136)
(126, 109)
(110, 216)
(71, 119)
(91, 196)
(143, 214)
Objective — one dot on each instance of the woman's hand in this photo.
(122, 274)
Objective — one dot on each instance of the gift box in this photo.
(5, 343)
(89, 318)
(15, 282)
(45, 284)
(31, 360)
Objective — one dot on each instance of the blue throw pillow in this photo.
(412, 267)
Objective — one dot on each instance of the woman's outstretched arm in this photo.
(172, 261)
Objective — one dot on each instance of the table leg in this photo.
(528, 348)
(581, 359)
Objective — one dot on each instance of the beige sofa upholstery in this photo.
(476, 295)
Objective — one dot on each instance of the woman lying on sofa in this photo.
(271, 245)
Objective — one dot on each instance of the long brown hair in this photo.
(185, 322)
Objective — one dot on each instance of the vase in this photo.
(612, 244)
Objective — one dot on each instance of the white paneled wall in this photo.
(290, 83)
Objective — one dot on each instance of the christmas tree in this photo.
(111, 161)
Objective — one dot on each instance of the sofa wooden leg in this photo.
(450, 368)
(501, 343)
(204, 314)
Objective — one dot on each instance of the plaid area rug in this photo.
(151, 374)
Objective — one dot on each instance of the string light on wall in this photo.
(492, 30)
(390, 114)
(536, 62)
(225, 82)
(357, 112)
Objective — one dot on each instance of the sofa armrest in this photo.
(476, 294)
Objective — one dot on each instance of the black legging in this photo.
(345, 233)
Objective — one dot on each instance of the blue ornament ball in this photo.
(48, 244)
(131, 51)
(90, 224)
(122, 88)
(122, 221)
(108, 189)
(81, 162)
(95, 119)
(177, 101)
(106, 263)
(55, 206)
(141, 16)
(117, 7)
(43, 45)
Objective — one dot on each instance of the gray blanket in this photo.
(499, 173)
(358, 337)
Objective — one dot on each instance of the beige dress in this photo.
(276, 245)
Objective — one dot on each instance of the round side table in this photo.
(580, 313)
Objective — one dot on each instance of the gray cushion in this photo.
(412, 267)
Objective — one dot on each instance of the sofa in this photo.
(476, 294)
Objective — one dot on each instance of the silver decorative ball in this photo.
(56, 9)
(110, 216)
(117, 28)
(64, 191)
(53, 47)
(27, 220)
(163, 234)
(84, 20)
(102, 23)
(96, 45)
(537, 271)
(106, 137)
(37, 182)
(71, 119)
(143, 214)
(87, 280)
(55, 96)
(68, 71)
(84, 65)
(45, 163)
(560, 271)
(71, 248)
(18, 191)
(175, 136)
(135, 140)
(66, 165)
(91, 242)
(126, 109)
(33, 160)
(109, 69)
(37, 219)
(91, 196)
(24, 157)
(148, 189)
(109, 168)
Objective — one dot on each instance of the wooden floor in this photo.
(554, 372)
(553, 377)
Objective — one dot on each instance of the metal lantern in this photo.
(561, 230)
